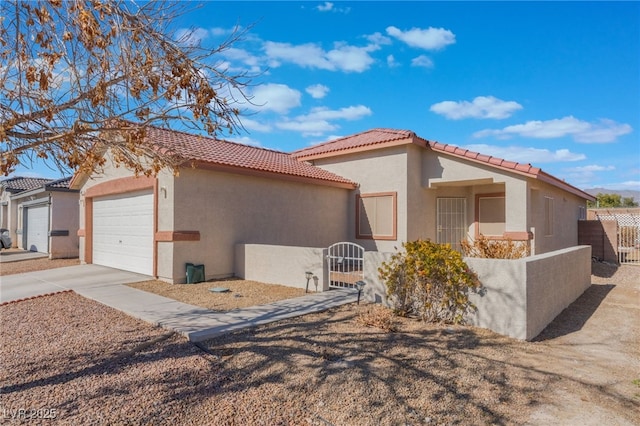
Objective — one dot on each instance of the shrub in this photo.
(431, 281)
(377, 316)
(494, 249)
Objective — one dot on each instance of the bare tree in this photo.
(78, 77)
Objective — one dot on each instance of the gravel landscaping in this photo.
(22, 266)
(85, 363)
(241, 294)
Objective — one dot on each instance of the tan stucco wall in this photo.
(382, 170)
(229, 209)
(165, 206)
(284, 265)
(566, 216)
(65, 216)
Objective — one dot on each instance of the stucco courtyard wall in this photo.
(283, 265)
(520, 297)
(523, 296)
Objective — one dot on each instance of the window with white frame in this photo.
(548, 216)
(376, 216)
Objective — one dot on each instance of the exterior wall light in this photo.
(360, 286)
(308, 275)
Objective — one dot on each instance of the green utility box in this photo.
(195, 273)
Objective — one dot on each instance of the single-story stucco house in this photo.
(411, 188)
(42, 215)
(378, 188)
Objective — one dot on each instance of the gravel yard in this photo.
(10, 268)
(84, 363)
(241, 294)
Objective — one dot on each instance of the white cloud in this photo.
(348, 113)
(245, 140)
(219, 31)
(526, 154)
(279, 98)
(480, 107)
(307, 128)
(191, 36)
(630, 184)
(241, 55)
(318, 121)
(391, 62)
(378, 39)
(254, 125)
(591, 168)
(422, 61)
(428, 39)
(317, 91)
(351, 58)
(581, 131)
(326, 7)
(342, 58)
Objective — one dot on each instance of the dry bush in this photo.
(483, 247)
(378, 316)
(431, 281)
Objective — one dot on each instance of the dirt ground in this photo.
(92, 364)
(593, 347)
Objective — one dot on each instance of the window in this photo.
(548, 216)
(376, 216)
(490, 215)
(582, 213)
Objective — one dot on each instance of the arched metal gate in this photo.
(346, 264)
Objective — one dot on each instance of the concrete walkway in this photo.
(18, 255)
(107, 286)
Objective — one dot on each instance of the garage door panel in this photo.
(123, 232)
(38, 228)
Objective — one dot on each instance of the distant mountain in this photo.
(624, 193)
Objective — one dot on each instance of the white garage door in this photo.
(123, 232)
(38, 229)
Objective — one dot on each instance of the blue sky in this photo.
(553, 84)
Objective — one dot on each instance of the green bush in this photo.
(431, 281)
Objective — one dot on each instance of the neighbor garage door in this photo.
(123, 231)
(38, 228)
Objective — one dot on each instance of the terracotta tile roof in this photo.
(19, 184)
(211, 151)
(481, 158)
(520, 168)
(380, 138)
(370, 139)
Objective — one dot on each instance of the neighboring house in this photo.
(233, 193)
(47, 219)
(378, 188)
(411, 188)
(8, 208)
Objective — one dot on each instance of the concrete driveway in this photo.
(14, 255)
(106, 285)
(78, 278)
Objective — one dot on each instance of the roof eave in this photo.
(537, 174)
(364, 148)
(205, 165)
